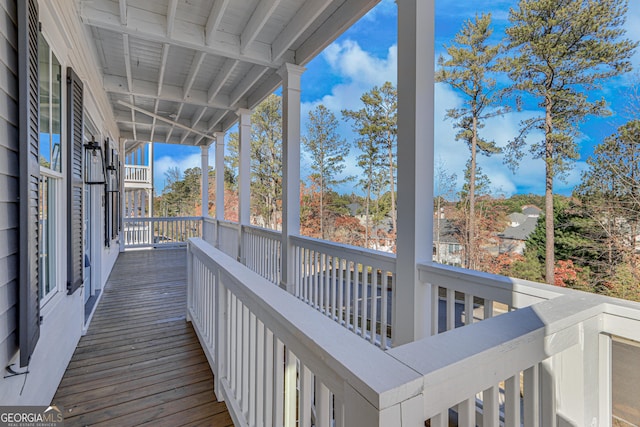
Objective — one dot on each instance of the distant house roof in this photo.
(531, 210)
(353, 208)
(520, 232)
(517, 218)
(447, 231)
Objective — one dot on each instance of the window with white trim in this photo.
(51, 184)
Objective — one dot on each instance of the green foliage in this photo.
(468, 68)
(181, 194)
(516, 202)
(266, 160)
(376, 124)
(560, 51)
(328, 151)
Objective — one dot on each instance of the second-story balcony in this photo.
(134, 174)
(501, 351)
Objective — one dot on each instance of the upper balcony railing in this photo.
(502, 351)
(545, 360)
(137, 174)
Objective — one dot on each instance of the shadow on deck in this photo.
(140, 362)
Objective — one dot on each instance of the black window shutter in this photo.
(29, 307)
(74, 181)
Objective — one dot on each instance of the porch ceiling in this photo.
(176, 70)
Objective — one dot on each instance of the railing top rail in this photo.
(505, 345)
(137, 166)
(229, 224)
(492, 286)
(355, 253)
(209, 219)
(323, 344)
(252, 229)
(166, 218)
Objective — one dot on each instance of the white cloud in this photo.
(163, 164)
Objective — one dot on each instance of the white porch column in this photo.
(151, 179)
(204, 184)
(244, 166)
(290, 74)
(412, 300)
(219, 175)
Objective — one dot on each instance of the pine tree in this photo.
(266, 160)
(376, 123)
(610, 191)
(560, 51)
(471, 60)
(328, 152)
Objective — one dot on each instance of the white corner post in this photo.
(412, 299)
(219, 176)
(244, 174)
(150, 179)
(291, 75)
(204, 184)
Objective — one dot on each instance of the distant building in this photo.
(446, 247)
(521, 225)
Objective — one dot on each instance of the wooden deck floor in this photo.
(140, 362)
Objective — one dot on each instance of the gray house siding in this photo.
(9, 177)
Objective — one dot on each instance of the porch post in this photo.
(244, 174)
(412, 299)
(219, 175)
(205, 180)
(290, 74)
(150, 179)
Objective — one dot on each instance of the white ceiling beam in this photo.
(133, 116)
(164, 119)
(171, 16)
(265, 89)
(123, 12)
(345, 16)
(303, 18)
(215, 16)
(259, 18)
(177, 118)
(194, 122)
(143, 88)
(155, 111)
(163, 66)
(221, 78)
(193, 73)
(197, 117)
(127, 61)
(246, 83)
(215, 119)
(148, 27)
(145, 137)
(213, 123)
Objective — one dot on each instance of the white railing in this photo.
(548, 363)
(229, 238)
(351, 285)
(261, 252)
(461, 297)
(278, 363)
(137, 174)
(160, 232)
(210, 230)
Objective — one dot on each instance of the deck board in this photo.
(140, 362)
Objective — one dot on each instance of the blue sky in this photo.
(366, 56)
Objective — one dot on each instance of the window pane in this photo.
(56, 115)
(46, 211)
(44, 80)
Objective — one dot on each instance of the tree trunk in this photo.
(548, 197)
(472, 197)
(394, 221)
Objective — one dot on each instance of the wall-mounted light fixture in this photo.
(93, 163)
